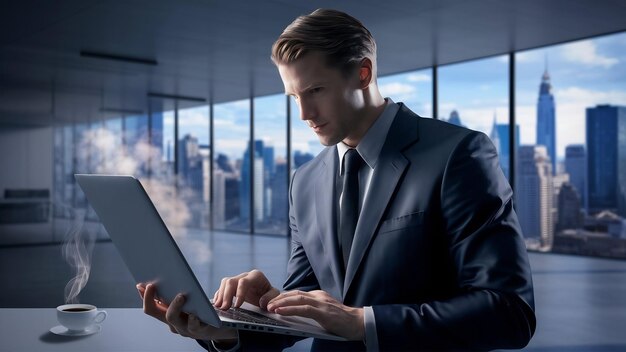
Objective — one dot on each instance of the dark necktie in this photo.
(349, 213)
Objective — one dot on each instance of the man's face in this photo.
(329, 100)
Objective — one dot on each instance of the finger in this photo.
(294, 300)
(150, 307)
(229, 292)
(193, 324)
(284, 295)
(196, 328)
(266, 298)
(306, 311)
(242, 289)
(141, 289)
(174, 315)
(220, 292)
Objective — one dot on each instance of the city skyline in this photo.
(574, 92)
(465, 88)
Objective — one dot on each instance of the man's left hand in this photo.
(331, 314)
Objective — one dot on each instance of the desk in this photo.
(125, 329)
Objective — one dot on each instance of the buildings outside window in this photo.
(571, 102)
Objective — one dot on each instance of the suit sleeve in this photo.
(493, 306)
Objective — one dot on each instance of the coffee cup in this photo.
(78, 317)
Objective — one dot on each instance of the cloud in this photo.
(587, 97)
(193, 118)
(529, 56)
(396, 89)
(419, 77)
(584, 52)
(571, 105)
(481, 119)
(226, 127)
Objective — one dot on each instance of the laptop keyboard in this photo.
(249, 317)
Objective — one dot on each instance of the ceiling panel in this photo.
(220, 50)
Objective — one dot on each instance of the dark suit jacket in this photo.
(438, 251)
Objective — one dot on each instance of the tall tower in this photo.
(576, 167)
(570, 215)
(535, 196)
(606, 167)
(500, 137)
(546, 134)
(455, 119)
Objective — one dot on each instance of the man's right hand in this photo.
(252, 287)
(182, 323)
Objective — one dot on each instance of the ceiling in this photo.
(219, 50)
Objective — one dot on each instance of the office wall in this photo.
(26, 158)
(25, 163)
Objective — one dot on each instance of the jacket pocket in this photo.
(402, 222)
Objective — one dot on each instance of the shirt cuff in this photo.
(235, 348)
(371, 338)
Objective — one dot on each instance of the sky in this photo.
(583, 74)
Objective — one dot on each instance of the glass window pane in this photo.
(414, 89)
(571, 104)
(193, 161)
(162, 137)
(270, 165)
(475, 94)
(231, 177)
(136, 143)
(158, 136)
(304, 143)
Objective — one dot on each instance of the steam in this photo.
(103, 151)
(77, 252)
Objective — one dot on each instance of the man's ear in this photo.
(365, 73)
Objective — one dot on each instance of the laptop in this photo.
(151, 254)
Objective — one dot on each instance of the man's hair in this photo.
(339, 37)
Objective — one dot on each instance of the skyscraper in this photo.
(576, 167)
(535, 196)
(219, 198)
(190, 163)
(546, 134)
(500, 138)
(279, 195)
(570, 216)
(263, 163)
(455, 119)
(606, 170)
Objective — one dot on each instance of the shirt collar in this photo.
(370, 146)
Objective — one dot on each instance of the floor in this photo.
(580, 301)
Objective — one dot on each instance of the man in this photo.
(403, 231)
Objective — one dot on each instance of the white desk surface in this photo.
(125, 329)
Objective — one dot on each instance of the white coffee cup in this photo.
(78, 317)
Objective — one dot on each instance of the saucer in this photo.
(63, 331)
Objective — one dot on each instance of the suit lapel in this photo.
(391, 166)
(326, 211)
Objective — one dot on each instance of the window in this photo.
(414, 89)
(571, 105)
(231, 172)
(193, 162)
(270, 165)
(304, 143)
(475, 94)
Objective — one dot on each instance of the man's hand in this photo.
(182, 323)
(252, 287)
(331, 314)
